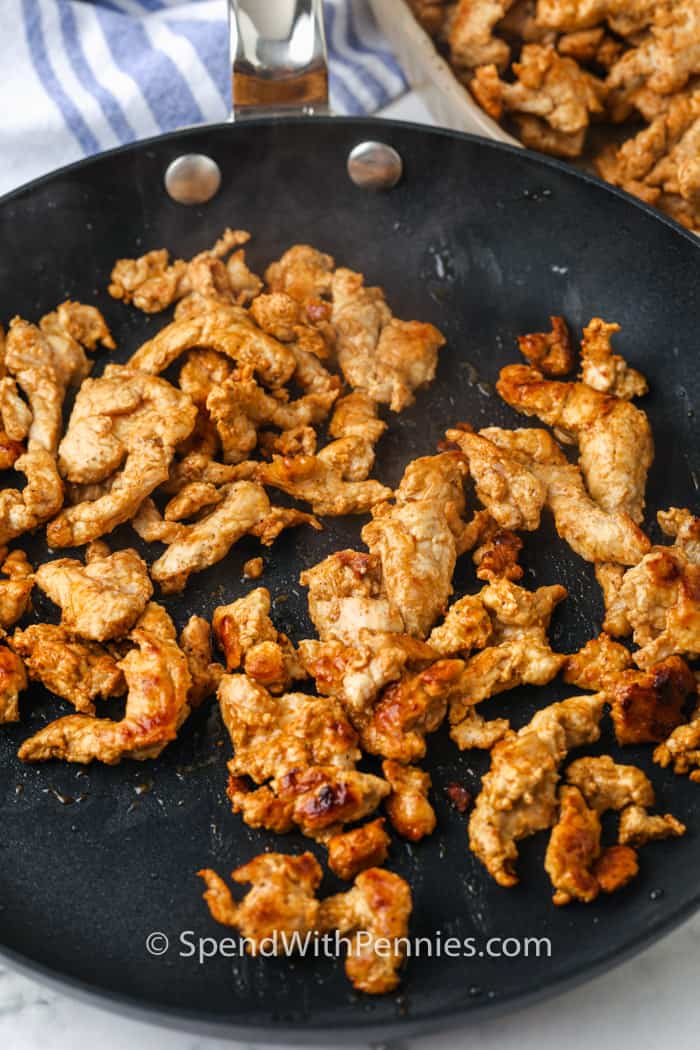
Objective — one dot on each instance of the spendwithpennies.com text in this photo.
(189, 945)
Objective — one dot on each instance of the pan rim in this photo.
(295, 1032)
(544, 161)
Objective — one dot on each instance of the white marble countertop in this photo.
(639, 1005)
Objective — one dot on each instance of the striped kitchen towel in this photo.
(80, 76)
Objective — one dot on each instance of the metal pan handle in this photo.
(278, 58)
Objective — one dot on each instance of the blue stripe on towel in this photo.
(165, 89)
(81, 67)
(207, 43)
(31, 16)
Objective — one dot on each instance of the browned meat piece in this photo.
(519, 654)
(666, 57)
(243, 624)
(323, 798)
(614, 438)
(659, 598)
(79, 672)
(407, 806)
(101, 600)
(227, 329)
(205, 672)
(497, 556)
(158, 682)
(355, 415)
(281, 903)
(623, 16)
(458, 795)
(354, 851)
(682, 748)
(85, 324)
(13, 680)
(659, 164)
(417, 538)
(347, 594)
(274, 665)
(375, 913)
(467, 625)
(239, 406)
(41, 498)
(124, 418)
(16, 589)
(153, 283)
(356, 674)
(518, 794)
(551, 352)
(549, 86)
(325, 480)
(512, 494)
(574, 847)
(386, 358)
(45, 360)
(606, 784)
(593, 46)
(202, 372)
(274, 735)
(646, 706)
(605, 371)
(524, 660)
(577, 866)
(410, 709)
(248, 638)
(537, 134)
(589, 530)
(471, 33)
(303, 273)
(243, 509)
(591, 666)
(253, 568)
(610, 577)
(637, 827)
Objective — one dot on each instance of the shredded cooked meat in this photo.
(13, 680)
(552, 88)
(158, 681)
(102, 599)
(646, 706)
(258, 403)
(518, 654)
(408, 808)
(614, 438)
(375, 910)
(386, 358)
(282, 900)
(79, 672)
(550, 352)
(355, 851)
(576, 864)
(519, 793)
(513, 496)
(416, 539)
(16, 589)
(592, 532)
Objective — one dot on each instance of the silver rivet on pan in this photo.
(192, 178)
(374, 166)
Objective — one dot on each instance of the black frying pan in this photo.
(485, 241)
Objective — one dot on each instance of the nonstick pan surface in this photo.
(485, 241)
